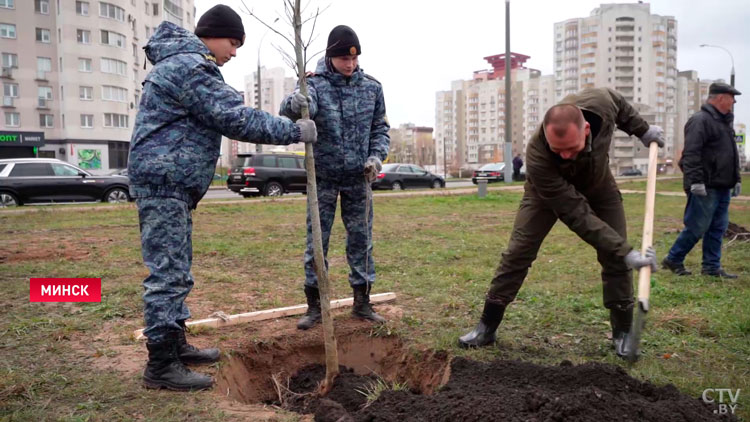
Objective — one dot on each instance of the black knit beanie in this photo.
(342, 41)
(221, 21)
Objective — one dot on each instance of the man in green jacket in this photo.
(568, 178)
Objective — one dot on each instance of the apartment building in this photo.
(470, 118)
(412, 144)
(72, 73)
(624, 47)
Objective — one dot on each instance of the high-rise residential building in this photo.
(470, 118)
(275, 86)
(624, 47)
(72, 73)
(412, 144)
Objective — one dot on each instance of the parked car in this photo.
(492, 172)
(266, 173)
(631, 172)
(38, 180)
(397, 176)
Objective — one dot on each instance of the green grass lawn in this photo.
(437, 253)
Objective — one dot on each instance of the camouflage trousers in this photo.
(166, 245)
(354, 202)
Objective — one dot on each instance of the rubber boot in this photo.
(312, 316)
(484, 333)
(190, 354)
(362, 307)
(621, 321)
(165, 370)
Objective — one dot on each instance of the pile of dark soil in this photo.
(504, 391)
(735, 231)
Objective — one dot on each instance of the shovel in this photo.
(633, 342)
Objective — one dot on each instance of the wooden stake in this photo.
(271, 313)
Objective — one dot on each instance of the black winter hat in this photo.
(722, 88)
(342, 41)
(221, 21)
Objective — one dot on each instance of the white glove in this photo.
(698, 189)
(737, 190)
(372, 168)
(653, 134)
(635, 260)
(308, 131)
(298, 101)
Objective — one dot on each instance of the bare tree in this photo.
(293, 14)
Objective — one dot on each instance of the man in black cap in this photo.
(185, 109)
(711, 175)
(349, 109)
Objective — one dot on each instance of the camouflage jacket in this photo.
(568, 186)
(185, 109)
(350, 116)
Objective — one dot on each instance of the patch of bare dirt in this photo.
(49, 249)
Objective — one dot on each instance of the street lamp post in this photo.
(731, 75)
(508, 122)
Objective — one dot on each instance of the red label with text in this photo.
(65, 290)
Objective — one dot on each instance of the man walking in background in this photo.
(711, 174)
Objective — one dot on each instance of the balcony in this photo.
(42, 103)
(8, 102)
(7, 72)
(41, 75)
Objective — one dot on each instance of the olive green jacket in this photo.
(569, 186)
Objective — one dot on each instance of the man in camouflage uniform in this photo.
(568, 178)
(349, 109)
(185, 109)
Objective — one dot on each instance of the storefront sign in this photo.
(21, 139)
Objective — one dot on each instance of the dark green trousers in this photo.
(533, 222)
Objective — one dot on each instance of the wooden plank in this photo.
(272, 313)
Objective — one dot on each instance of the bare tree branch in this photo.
(251, 13)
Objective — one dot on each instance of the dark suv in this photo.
(35, 180)
(269, 174)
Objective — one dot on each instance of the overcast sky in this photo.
(417, 47)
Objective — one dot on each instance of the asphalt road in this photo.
(215, 193)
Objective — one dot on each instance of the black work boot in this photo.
(676, 268)
(718, 273)
(484, 333)
(190, 354)
(165, 370)
(362, 307)
(312, 316)
(621, 321)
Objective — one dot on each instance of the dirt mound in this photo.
(504, 390)
(735, 231)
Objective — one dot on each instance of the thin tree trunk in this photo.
(332, 356)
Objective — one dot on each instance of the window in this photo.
(114, 93)
(148, 8)
(83, 36)
(82, 8)
(268, 161)
(43, 65)
(10, 60)
(116, 120)
(7, 30)
(86, 93)
(111, 11)
(31, 170)
(45, 92)
(84, 65)
(148, 32)
(12, 119)
(117, 67)
(288, 162)
(118, 155)
(87, 121)
(10, 90)
(156, 9)
(41, 6)
(43, 35)
(64, 170)
(113, 38)
(45, 120)
(7, 4)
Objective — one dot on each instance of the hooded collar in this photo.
(170, 39)
(325, 68)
